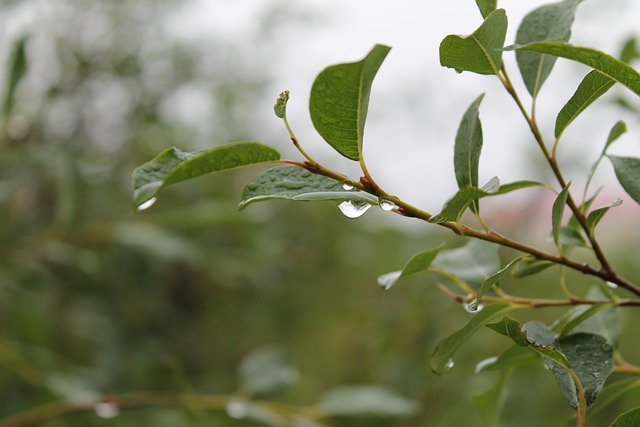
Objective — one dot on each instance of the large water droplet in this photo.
(147, 204)
(449, 365)
(484, 363)
(353, 208)
(347, 186)
(387, 205)
(106, 409)
(236, 409)
(473, 306)
(459, 70)
(612, 285)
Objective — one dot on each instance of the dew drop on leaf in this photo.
(606, 346)
(449, 365)
(387, 205)
(459, 70)
(346, 186)
(473, 306)
(353, 208)
(147, 204)
(236, 409)
(612, 285)
(106, 410)
(484, 363)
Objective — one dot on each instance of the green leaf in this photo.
(468, 147)
(418, 263)
(605, 322)
(612, 393)
(593, 86)
(570, 236)
(556, 213)
(442, 358)
(455, 207)
(486, 6)
(628, 419)
(606, 64)
(517, 185)
(513, 357)
(340, 100)
(489, 404)
(529, 266)
(548, 22)
(472, 263)
(616, 132)
(630, 51)
(596, 215)
(492, 280)
(365, 400)
(172, 166)
(481, 52)
(628, 173)
(296, 183)
(17, 73)
(267, 370)
(511, 328)
(280, 107)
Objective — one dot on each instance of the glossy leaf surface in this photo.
(173, 165)
(339, 102)
(628, 419)
(481, 52)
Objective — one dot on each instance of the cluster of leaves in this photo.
(581, 348)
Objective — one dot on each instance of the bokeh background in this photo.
(95, 299)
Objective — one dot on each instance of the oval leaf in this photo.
(296, 183)
(548, 22)
(418, 263)
(628, 419)
(606, 64)
(468, 146)
(172, 166)
(493, 279)
(442, 358)
(557, 212)
(465, 197)
(628, 173)
(365, 400)
(340, 100)
(596, 215)
(481, 52)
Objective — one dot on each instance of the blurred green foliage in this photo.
(96, 300)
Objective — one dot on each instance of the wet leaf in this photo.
(418, 263)
(296, 183)
(173, 166)
(481, 52)
(529, 266)
(628, 173)
(365, 400)
(548, 22)
(340, 100)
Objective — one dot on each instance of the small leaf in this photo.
(628, 173)
(548, 22)
(511, 328)
(418, 263)
(493, 279)
(472, 263)
(606, 64)
(630, 51)
(267, 370)
(489, 404)
(340, 100)
(628, 419)
(365, 400)
(468, 147)
(514, 357)
(616, 132)
(556, 213)
(517, 185)
(455, 207)
(280, 107)
(596, 215)
(481, 52)
(17, 73)
(529, 266)
(572, 237)
(593, 86)
(172, 166)
(442, 358)
(296, 183)
(486, 6)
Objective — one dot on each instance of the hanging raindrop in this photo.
(236, 409)
(106, 409)
(449, 365)
(386, 205)
(612, 285)
(347, 186)
(473, 306)
(147, 204)
(353, 208)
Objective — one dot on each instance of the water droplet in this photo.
(107, 409)
(305, 174)
(252, 186)
(347, 186)
(484, 363)
(236, 409)
(147, 204)
(273, 178)
(473, 306)
(606, 346)
(387, 205)
(612, 285)
(449, 365)
(459, 70)
(353, 208)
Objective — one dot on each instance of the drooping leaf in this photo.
(628, 419)
(481, 52)
(442, 358)
(468, 147)
(593, 86)
(486, 6)
(493, 279)
(548, 22)
(18, 71)
(606, 64)
(529, 266)
(628, 173)
(472, 263)
(556, 213)
(489, 404)
(267, 370)
(596, 215)
(418, 263)
(172, 166)
(465, 197)
(365, 400)
(340, 100)
(296, 183)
